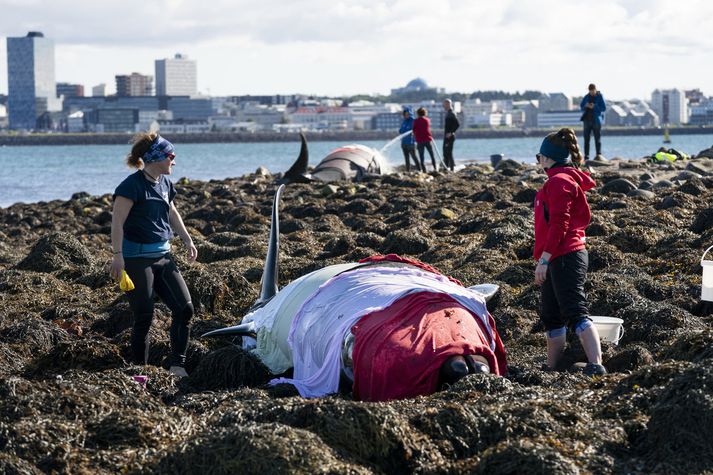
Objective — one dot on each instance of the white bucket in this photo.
(610, 329)
(707, 282)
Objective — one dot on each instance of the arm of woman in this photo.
(180, 229)
(122, 206)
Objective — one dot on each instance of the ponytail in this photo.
(568, 139)
(141, 144)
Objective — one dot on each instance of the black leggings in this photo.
(563, 301)
(448, 143)
(429, 147)
(409, 151)
(159, 275)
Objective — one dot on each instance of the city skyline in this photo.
(338, 49)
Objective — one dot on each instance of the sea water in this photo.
(42, 173)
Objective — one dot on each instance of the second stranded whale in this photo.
(349, 162)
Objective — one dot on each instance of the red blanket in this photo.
(398, 351)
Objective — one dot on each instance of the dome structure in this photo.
(417, 84)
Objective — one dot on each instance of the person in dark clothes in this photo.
(593, 108)
(144, 219)
(449, 137)
(561, 215)
(408, 143)
(424, 139)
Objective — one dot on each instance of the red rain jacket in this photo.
(562, 212)
(422, 130)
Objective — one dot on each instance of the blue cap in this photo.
(558, 153)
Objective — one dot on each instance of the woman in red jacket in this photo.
(561, 216)
(422, 134)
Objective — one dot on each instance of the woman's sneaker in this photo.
(178, 371)
(594, 369)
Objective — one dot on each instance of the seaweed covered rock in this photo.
(228, 367)
(254, 449)
(58, 252)
(679, 433)
(533, 457)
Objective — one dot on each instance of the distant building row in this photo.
(36, 101)
(33, 94)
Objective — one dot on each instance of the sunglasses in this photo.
(538, 156)
(171, 156)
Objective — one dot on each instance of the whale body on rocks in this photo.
(349, 162)
(389, 326)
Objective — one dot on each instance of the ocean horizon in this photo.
(43, 173)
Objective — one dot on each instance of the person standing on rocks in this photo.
(561, 216)
(424, 139)
(449, 137)
(408, 143)
(144, 219)
(593, 108)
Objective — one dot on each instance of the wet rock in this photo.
(688, 175)
(329, 190)
(641, 194)
(443, 213)
(700, 167)
(663, 184)
(262, 171)
(509, 167)
(693, 186)
(646, 176)
(646, 185)
(618, 185)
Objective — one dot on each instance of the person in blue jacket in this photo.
(593, 108)
(408, 143)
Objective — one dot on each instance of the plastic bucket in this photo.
(707, 281)
(610, 329)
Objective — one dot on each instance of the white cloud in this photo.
(628, 47)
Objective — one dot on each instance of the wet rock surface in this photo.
(68, 403)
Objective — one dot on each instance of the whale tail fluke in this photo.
(298, 171)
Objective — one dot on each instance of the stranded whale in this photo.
(392, 327)
(349, 162)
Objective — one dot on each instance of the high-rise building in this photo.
(671, 106)
(176, 76)
(69, 90)
(30, 74)
(99, 90)
(134, 84)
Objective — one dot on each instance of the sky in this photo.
(331, 47)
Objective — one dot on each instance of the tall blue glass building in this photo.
(31, 83)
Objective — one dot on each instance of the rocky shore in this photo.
(68, 403)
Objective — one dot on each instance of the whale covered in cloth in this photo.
(390, 326)
(348, 162)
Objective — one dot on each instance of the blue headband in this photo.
(557, 153)
(160, 150)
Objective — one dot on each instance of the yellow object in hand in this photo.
(125, 283)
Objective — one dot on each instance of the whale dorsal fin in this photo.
(270, 272)
(298, 170)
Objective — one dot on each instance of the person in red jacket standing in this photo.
(561, 216)
(422, 134)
